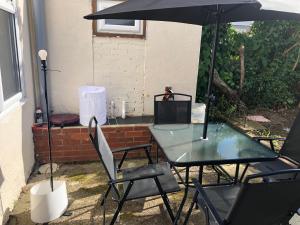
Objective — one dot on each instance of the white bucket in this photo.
(47, 205)
(92, 103)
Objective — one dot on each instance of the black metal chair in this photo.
(249, 203)
(289, 153)
(138, 182)
(174, 111)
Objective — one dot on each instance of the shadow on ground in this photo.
(86, 183)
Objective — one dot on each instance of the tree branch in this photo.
(290, 48)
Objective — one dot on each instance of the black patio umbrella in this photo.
(203, 12)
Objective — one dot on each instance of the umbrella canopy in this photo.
(202, 12)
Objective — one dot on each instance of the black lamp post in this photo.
(43, 56)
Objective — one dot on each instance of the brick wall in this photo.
(72, 144)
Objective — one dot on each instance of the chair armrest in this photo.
(127, 149)
(206, 201)
(290, 160)
(268, 139)
(145, 147)
(138, 177)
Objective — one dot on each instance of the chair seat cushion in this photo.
(147, 187)
(271, 166)
(222, 197)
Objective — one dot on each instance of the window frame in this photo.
(114, 31)
(10, 7)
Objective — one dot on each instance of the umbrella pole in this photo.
(44, 68)
(209, 96)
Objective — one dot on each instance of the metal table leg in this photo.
(186, 190)
(200, 174)
(236, 177)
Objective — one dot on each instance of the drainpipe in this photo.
(38, 40)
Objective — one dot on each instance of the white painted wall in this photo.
(16, 144)
(131, 69)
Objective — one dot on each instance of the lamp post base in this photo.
(47, 205)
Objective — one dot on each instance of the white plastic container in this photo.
(92, 103)
(47, 205)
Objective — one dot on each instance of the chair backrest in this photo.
(102, 148)
(174, 111)
(291, 147)
(266, 203)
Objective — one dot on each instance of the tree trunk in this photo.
(233, 95)
(223, 87)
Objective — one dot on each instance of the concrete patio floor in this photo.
(86, 182)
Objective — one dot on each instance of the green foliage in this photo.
(271, 76)
(222, 110)
(271, 54)
(226, 58)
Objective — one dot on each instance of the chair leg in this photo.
(165, 199)
(236, 176)
(105, 195)
(148, 155)
(179, 176)
(121, 203)
(206, 216)
(244, 172)
(200, 175)
(122, 160)
(191, 208)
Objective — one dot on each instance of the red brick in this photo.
(71, 153)
(65, 147)
(41, 139)
(86, 146)
(71, 142)
(41, 144)
(71, 130)
(38, 133)
(120, 139)
(57, 154)
(74, 136)
(85, 139)
(84, 130)
(122, 129)
(141, 128)
(140, 142)
(108, 129)
(41, 149)
(57, 142)
(56, 131)
(144, 139)
(38, 127)
(113, 135)
(117, 145)
(134, 134)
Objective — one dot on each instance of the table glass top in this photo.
(182, 144)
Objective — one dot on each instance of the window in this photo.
(10, 84)
(116, 27)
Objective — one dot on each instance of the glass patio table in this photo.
(183, 147)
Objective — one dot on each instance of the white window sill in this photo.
(12, 108)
